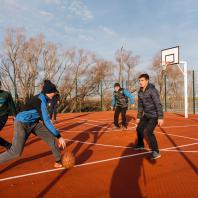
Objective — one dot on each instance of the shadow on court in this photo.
(41, 155)
(181, 153)
(25, 160)
(125, 179)
(78, 116)
(81, 157)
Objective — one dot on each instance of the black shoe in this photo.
(8, 146)
(155, 155)
(138, 148)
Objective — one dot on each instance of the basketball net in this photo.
(165, 64)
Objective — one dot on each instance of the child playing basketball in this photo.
(120, 103)
(6, 106)
(150, 114)
(28, 121)
(53, 106)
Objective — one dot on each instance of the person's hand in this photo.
(160, 122)
(112, 108)
(132, 106)
(61, 142)
(137, 121)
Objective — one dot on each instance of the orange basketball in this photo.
(68, 160)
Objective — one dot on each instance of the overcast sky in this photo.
(103, 26)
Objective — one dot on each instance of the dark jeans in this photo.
(21, 134)
(3, 120)
(119, 110)
(146, 129)
(53, 110)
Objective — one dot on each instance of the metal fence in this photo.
(172, 100)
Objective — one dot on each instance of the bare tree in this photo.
(13, 41)
(128, 61)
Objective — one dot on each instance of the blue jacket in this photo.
(126, 94)
(36, 109)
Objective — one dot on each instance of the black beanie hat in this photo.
(117, 85)
(49, 87)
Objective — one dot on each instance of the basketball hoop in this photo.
(170, 56)
(165, 64)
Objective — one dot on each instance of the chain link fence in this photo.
(173, 93)
(172, 97)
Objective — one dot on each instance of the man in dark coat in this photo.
(150, 113)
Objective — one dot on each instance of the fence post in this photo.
(101, 95)
(165, 99)
(76, 94)
(194, 104)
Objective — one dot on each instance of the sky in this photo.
(104, 26)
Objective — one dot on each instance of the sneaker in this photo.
(155, 155)
(116, 127)
(58, 165)
(124, 128)
(138, 148)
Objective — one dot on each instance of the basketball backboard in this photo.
(170, 56)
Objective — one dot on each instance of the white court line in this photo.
(106, 131)
(180, 151)
(173, 126)
(86, 164)
(124, 132)
(118, 146)
(180, 126)
(97, 144)
(176, 135)
(105, 126)
(158, 132)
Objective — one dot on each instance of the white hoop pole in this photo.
(185, 72)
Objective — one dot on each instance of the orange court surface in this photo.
(106, 164)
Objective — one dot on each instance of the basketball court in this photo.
(106, 164)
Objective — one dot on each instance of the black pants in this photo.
(146, 129)
(3, 120)
(119, 110)
(53, 110)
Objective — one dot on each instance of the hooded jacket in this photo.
(120, 98)
(149, 103)
(36, 109)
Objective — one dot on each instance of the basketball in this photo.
(68, 160)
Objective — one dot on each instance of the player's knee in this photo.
(15, 152)
(148, 133)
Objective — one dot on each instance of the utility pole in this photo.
(121, 66)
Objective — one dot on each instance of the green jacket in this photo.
(7, 105)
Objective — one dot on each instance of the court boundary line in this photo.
(186, 137)
(171, 126)
(85, 164)
(120, 146)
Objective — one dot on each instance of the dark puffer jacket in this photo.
(149, 103)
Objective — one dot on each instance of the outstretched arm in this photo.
(129, 95)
